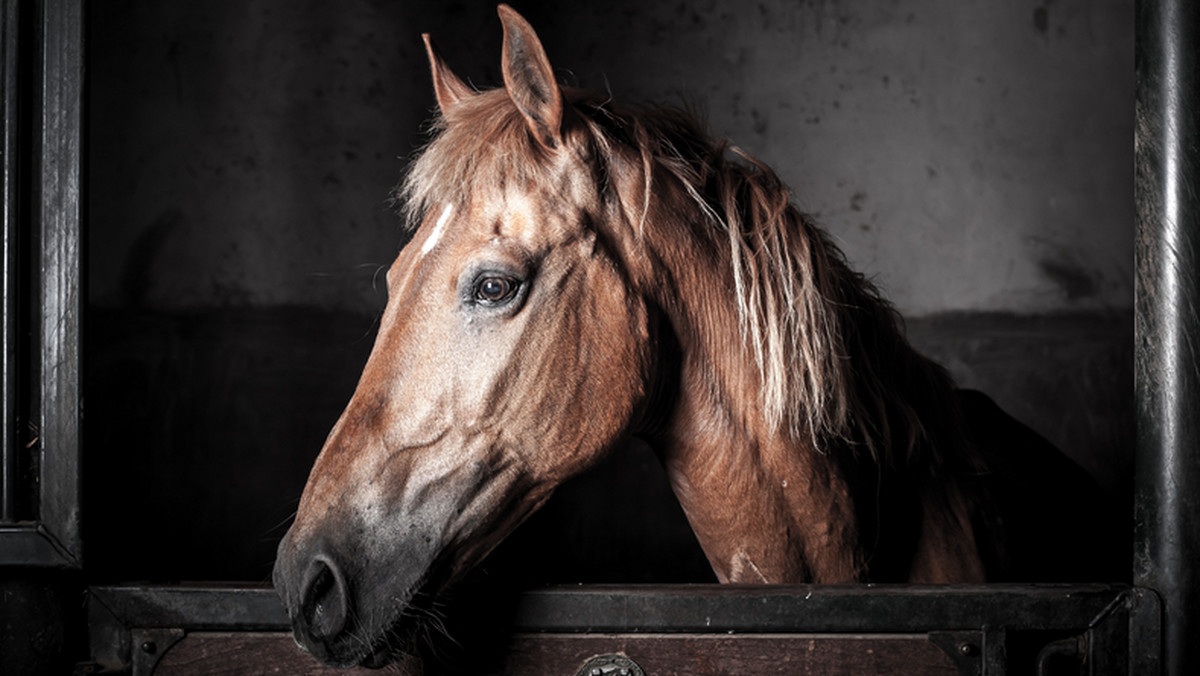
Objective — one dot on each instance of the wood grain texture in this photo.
(245, 654)
(742, 654)
(261, 654)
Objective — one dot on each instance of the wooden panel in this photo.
(741, 654)
(260, 654)
(244, 654)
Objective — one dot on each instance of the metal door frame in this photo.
(42, 84)
(1110, 629)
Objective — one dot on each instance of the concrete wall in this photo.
(973, 157)
(969, 155)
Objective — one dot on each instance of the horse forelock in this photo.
(827, 348)
(482, 143)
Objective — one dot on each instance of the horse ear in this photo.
(529, 78)
(446, 85)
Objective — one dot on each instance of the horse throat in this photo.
(762, 510)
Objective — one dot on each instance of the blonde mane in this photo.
(828, 349)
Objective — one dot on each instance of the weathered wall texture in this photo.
(974, 157)
(969, 155)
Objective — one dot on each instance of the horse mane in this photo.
(829, 350)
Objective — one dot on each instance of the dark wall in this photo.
(974, 158)
(242, 152)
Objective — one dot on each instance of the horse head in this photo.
(511, 355)
(582, 272)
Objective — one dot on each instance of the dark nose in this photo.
(312, 587)
(323, 602)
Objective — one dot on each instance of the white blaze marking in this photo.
(438, 229)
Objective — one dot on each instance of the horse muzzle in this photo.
(317, 585)
(316, 597)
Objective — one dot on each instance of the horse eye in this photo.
(495, 290)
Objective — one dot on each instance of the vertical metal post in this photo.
(60, 262)
(10, 86)
(1167, 321)
(42, 43)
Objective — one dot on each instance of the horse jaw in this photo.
(392, 546)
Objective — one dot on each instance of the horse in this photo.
(581, 272)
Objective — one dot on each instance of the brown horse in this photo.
(583, 272)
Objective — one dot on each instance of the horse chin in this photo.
(396, 644)
(388, 654)
(393, 650)
(399, 641)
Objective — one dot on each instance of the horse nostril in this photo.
(323, 601)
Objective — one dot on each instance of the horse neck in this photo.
(765, 506)
(765, 503)
(762, 511)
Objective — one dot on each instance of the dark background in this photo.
(974, 158)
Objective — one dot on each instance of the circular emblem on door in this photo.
(610, 665)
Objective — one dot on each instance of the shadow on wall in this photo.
(204, 427)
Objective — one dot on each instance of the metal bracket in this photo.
(965, 648)
(1126, 637)
(149, 646)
